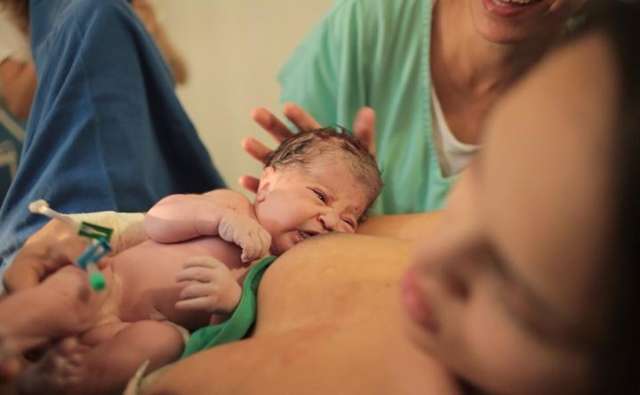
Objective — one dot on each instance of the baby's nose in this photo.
(329, 221)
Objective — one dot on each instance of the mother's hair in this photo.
(617, 368)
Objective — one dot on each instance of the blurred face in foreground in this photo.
(507, 295)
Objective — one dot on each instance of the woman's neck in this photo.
(464, 61)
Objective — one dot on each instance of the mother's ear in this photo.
(266, 181)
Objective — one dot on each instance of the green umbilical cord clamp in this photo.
(97, 282)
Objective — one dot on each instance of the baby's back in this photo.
(145, 278)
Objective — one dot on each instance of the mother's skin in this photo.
(329, 322)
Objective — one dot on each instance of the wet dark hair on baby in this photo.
(304, 148)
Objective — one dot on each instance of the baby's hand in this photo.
(246, 233)
(210, 286)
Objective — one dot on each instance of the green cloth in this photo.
(376, 53)
(240, 322)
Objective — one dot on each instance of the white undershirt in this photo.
(453, 155)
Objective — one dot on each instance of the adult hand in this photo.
(363, 129)
(144, 10)
(147, 15)
(49, 249)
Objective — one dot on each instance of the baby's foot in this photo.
(60, 369)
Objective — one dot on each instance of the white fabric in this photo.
(10, 124)
(453, 155)
(128, 228)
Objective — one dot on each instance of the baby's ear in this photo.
(266, 180)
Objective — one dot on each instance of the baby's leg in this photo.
(63, 305)
(72, 368)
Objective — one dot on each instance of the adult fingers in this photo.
(256, 149)
(364, 128)
(52, 247)
(9, 370)
(250, 183)
(104, 262)
(271, 124)
(299, 117)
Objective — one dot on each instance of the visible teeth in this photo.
(521, 2)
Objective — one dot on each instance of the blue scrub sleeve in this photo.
(106, 130)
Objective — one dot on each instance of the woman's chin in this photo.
(508, 25)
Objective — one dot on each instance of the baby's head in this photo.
(315, 182)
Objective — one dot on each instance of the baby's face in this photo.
(294, 204)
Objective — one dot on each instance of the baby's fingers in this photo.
(198, 274)
(265, 238)
(260, 241)
(196, 290)
(104, 262)
(203, 303)
(203, 262)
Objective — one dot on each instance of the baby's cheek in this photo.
(277, 247)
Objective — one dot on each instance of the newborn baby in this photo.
(182, 278)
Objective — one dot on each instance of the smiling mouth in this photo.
(516, 2)
(510, 8)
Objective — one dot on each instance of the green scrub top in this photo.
(376, 53)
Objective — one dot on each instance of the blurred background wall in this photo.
(234, 49)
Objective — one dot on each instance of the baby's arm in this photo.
(222, 213)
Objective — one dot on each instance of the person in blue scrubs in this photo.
(106, 129)
(17, 86)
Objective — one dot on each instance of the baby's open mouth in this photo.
(305, 234)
